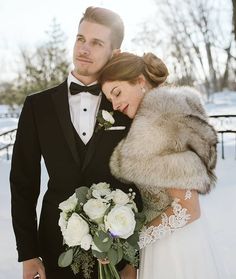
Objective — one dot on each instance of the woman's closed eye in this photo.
(117, 93)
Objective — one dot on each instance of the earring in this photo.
(143, 89)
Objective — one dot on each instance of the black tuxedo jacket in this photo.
(45, 130)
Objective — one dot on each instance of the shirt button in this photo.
(84, 109)
(84, 134)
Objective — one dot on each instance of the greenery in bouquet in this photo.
(99, 222)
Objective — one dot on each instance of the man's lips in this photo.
(84, 60)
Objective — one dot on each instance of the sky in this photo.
(23, 23)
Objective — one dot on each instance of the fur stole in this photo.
(170, 143)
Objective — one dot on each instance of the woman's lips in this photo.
(125, 109)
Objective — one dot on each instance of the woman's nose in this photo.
(115, 105)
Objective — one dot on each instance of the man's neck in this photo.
(84, 79)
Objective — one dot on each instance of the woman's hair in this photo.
(128, 67)
(109, 19)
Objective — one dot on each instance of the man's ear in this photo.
(116, 51)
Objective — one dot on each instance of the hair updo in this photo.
(128, 67)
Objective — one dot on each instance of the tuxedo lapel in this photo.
(60, 100)
(97, 135)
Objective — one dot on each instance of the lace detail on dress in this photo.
(188, 195)
(168, 225)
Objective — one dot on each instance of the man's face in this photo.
(92, 50)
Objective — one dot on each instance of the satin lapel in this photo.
(60, 99)
(106, 105)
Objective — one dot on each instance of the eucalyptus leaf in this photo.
(133, 240)
(81, 194)
(119, 254)
(130, 253)
(103, 244)
(113, 256)
(65, 259)
(99, 255)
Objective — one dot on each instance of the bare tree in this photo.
(196, 39)
(44, 67)
(234, 18)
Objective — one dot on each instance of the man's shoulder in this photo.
(47, 92)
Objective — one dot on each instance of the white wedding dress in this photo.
(184, 254)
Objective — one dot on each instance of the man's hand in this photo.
(128, 272)
(33, 267)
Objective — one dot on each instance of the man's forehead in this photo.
(94, 30)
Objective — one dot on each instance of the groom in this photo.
(58, 124)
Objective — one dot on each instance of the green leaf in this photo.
(133, 240)
(113, 256)
(103, 241)
(138, 225)
(130, 253)
(140, 220)
(119, 253)
(65, 259)
(81, 194)
(99, 255)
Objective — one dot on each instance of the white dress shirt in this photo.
(83, 110)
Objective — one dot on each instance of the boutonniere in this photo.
(105, 120)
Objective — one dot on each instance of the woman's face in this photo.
(124, 96)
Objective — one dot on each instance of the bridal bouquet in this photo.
(102, 223)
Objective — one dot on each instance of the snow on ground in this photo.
(218, 208)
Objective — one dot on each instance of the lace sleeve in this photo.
(177, 218)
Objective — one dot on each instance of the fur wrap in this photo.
(170, 143)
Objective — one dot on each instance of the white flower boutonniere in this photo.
(105, 119)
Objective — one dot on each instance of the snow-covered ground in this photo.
(219, 207)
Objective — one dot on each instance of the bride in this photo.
(170, 154)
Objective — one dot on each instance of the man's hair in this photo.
(109, 19)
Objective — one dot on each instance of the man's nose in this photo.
(85, 49)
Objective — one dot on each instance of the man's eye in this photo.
(97, 43)
(79, 39)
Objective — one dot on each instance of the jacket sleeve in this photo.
(25, 184)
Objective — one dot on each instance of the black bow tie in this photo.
(76, 88)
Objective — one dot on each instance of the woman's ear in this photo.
(141, 80)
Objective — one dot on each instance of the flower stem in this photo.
(114, 271)
(100, 271)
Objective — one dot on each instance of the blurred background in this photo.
(195, 38)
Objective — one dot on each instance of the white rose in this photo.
(108, 117)
(69, 204)
(100, 186)
(120, 221)
(95, 209)
(86, 242)
(76, 229)
(119, 197)
(63, 221)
